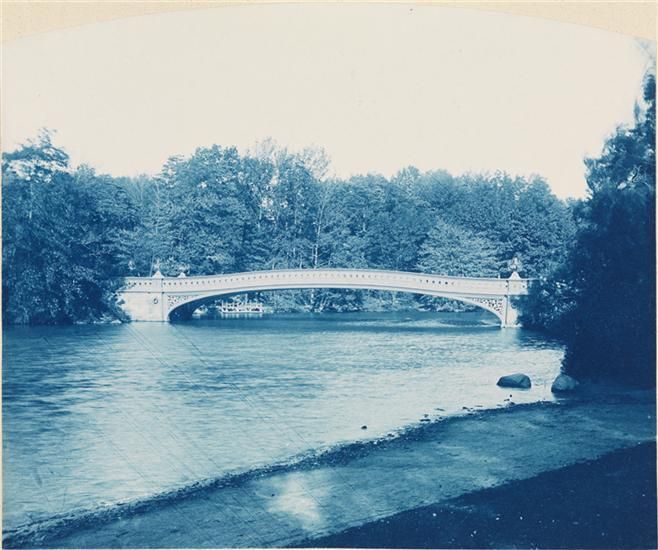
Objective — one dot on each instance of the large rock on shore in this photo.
(564, 383)
(518, 380)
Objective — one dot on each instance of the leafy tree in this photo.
(451, 250)
(397, 222)
(147, 241)
(602, 302)
(62, 239)
(541, 230)
(210, 214)
(294, 207)
(613, 325)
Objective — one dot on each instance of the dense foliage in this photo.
(63, 237)
(70, 235)
(602, 300)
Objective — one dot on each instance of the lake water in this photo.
(95, 415)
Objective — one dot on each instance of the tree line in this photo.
(71, 234)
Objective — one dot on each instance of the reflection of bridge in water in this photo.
(161, 298)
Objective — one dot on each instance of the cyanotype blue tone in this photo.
(329, 276)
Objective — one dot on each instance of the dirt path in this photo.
(364, 483)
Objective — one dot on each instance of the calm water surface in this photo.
(94, 415)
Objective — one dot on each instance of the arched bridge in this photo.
(157, 298)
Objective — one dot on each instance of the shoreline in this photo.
(360, 482)
(331, 456)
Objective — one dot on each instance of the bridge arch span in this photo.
(156, 298)
(493, 306)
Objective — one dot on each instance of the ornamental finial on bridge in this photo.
(158, 274)
(515, 266)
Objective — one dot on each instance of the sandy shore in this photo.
(362, 483)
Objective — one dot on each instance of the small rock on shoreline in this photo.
(518, 380)
(564, 383)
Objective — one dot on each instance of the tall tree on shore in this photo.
(612, 328)
(63, 247)
(601, 302)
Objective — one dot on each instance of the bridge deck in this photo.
(476, 285)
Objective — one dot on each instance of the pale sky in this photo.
(379, 87)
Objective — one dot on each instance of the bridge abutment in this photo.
(145, 300)
(510, 318)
